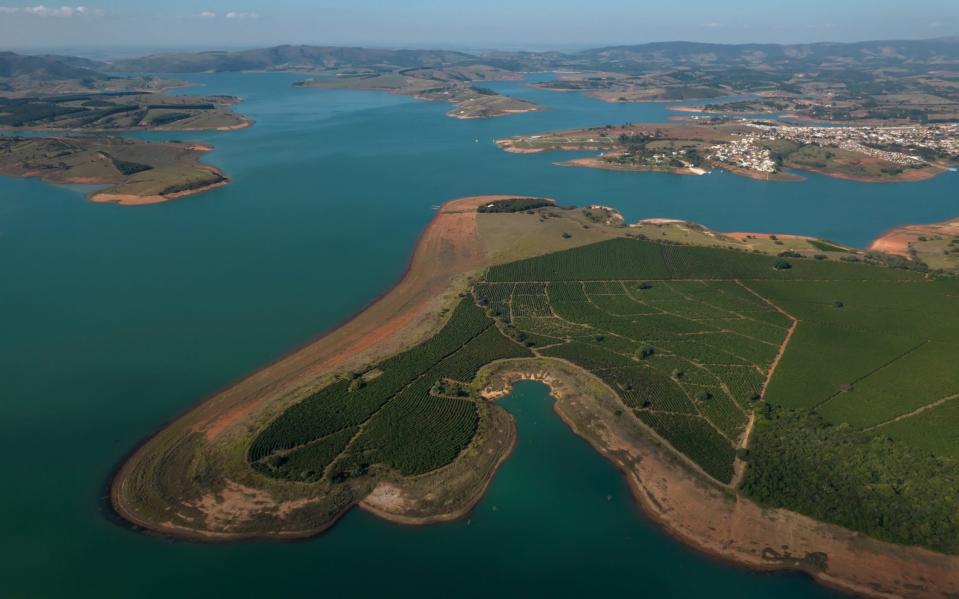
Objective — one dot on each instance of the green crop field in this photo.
(834, 360)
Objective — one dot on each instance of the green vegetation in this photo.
(444, 83)
(866, 482)
(765, 150)
(826, 246)
(118, 111)
(688, 337)
(135, 169)
(404, 425)
(127, 167)
(515, 205)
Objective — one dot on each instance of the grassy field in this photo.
(136, 171)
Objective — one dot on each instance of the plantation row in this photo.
(635, 259)
(404, 426)
(694, 437)
(687, 355)
(684, 335)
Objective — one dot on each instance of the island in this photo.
(453, 84)
(766, 150)
(706, 366)
(135, 172)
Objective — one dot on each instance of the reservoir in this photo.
(114, 319)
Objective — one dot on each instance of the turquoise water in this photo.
(114, 319)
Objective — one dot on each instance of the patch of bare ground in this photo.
(129, 199)
(897, 240)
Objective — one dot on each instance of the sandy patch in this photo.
(237, 504)
(450, 247)
(897, 241)
(125, 199)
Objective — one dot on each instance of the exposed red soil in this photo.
(448, 248)
(896, 241)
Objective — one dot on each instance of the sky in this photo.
(476, 24)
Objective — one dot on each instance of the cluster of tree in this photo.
(127, 167)
(863, 481)
(191, 185)
(514, 205)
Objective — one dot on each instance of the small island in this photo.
(136, 172)
(699, 362)
(765, 150)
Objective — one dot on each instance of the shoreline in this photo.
(455, 515)
(245, 124)
(107, 195)
(195, 412)
(127, 199)
(659, 480)
(896, 240)
(508, 112)
(781, 177)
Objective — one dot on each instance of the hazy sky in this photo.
(474, 24)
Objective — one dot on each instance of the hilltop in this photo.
(289, 58)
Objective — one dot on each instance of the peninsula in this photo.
(764, 150)
(120, 111)
(700, 363)
(136, 172)
(60, 93)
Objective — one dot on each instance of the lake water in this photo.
(113, 319)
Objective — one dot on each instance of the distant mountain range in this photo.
(673, 54)
(47, 68)
(18, 71)
(291, 57)
(629, 58)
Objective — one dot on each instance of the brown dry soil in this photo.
(897, 241)
(191, 479)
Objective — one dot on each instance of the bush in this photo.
(782, 265)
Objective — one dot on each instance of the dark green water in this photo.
(113, 319)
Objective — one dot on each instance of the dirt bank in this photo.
(717, 520)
